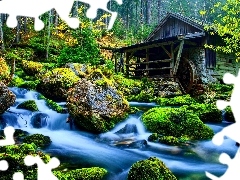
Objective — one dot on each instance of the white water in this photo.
(85, 149)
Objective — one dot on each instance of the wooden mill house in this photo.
(175, 49)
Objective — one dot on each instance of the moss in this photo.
(15, 154)
(31, 85)
(144, 96)
(52, 105)
(177, 122)
(38, 139)
(5, 71)
(18, 135)
(55, 84)
(28, 105)
(229, 115)
(150, 169)
(206, 112)
(133, 110)
(31, 68)
(176, 101)
(93, 173)
(16, 82)
(169, 140)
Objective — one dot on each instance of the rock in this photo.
(38, 139)
(151, 168)
(56, 83)
(95, 104)
(39, 120)
(80, 70)
(127, 129)
(7, 98)
(28, 105)
(176, 122)
(139, 144)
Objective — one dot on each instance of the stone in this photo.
(7, 98)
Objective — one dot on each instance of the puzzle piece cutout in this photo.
(232, 131)
(9, 140)
(35, 8)
(44, 170)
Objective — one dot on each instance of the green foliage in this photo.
(52, 105)
(206, 112)
(5, 72)
(28, 105)
(38, 139)
(150, 169)
(176, 101)
(227, 26)
(177, 122)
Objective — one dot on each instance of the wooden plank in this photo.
(150, 69)
(150, 62)
(149, 46)
(172, 56)
(178, 57)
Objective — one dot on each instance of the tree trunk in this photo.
(49, 33)
(1, 36)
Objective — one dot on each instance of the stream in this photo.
(118, 149)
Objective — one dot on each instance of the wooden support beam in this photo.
(178, 57)
(127, 62)
(172, 57)
(147, 60)
(166, 51)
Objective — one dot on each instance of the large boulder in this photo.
(55, 84)
(7, 98)
(95, 104)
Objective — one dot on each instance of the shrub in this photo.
(4, 70)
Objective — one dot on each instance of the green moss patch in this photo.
(206, 112)
(28, 105)
(176, 101)
(176, 122)
(38, 139)
(149, 169)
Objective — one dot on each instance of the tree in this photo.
(227, 26)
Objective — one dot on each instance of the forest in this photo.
(62, 93)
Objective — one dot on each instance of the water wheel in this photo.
(186, 75)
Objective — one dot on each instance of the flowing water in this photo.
(118, 149)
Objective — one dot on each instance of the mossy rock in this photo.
(18, 134)
(5, 71)
(96, 108)
(206, 112)
(80, 70)
(150, 169)
(7, 98)
(52, 105)
(228, 116)
(93, 173)
(169, 140)
(176, 101)
(133, 110)
(56, 83)
(28, 105)
(15, 154)
(32, 68)
(177, 122)
(38, 139)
